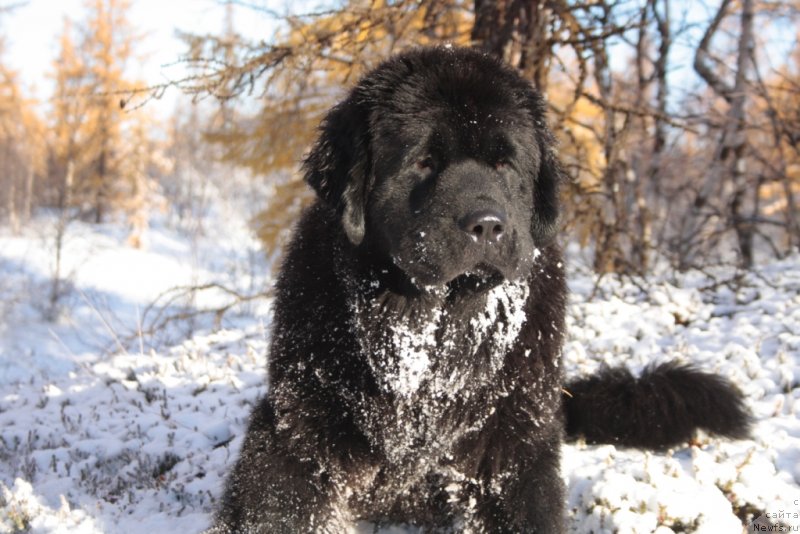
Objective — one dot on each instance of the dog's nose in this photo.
(484, 226)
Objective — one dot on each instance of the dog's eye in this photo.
(426, 164)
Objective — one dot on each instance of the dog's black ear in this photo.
(544, 223)
(550, 175)
(339, 163)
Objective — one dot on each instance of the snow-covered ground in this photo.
(106, 429)
(745, 328)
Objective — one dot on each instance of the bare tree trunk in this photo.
(11, 206)
(100, 187)
(10, 168)
(743, 225)
(662, 90)
(614, 237)
(518, 32)
(64, 202)
(614, 217)
(493, 28)
(731, 161)
(640, 237)
(27, 204)
(649, 191)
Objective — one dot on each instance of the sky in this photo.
(31, 33)
(31, 37)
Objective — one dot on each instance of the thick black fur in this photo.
(662, 408)
(414, 370)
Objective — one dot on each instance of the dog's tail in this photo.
(662, 408)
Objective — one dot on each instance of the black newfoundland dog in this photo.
(414, 372)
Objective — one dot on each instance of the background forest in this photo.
(142, 216)
(679, 121)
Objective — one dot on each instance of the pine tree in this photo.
(68, 119)
(21, 148)
(89, 119)
(107, 47)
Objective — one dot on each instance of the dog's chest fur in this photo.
(432, 357)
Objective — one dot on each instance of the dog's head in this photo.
(440, 161)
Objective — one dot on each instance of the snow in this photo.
(748, 331)
(505, 305)
(104, 430)
(416, 350)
